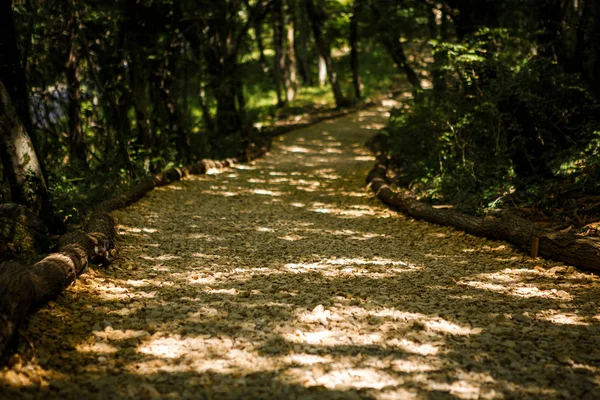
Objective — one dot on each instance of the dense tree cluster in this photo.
(113, 90)
(513, 115)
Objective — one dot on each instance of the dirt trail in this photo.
(285, 279)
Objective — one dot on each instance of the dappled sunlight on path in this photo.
(287, 279)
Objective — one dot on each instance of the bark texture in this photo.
(583, 252)
(354, 61)
(316, 20)
(20, 162)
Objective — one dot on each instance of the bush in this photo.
(507, 121)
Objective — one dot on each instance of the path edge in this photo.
(579, 251)
(24, 288)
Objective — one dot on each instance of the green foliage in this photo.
(508, 120)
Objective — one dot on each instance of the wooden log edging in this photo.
(579, 251)
(23, 287)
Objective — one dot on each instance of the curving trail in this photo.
(286, 279)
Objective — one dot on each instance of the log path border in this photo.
(579, 251)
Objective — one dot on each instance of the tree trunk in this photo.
(20, 162)
(354, 62)
(526, 147)
(438, 30)
(290, 60)
(279, 59)
(145, 137)
(77, 147)
(258, 32)
(224, 82)
(302, 47)
(316, 20)
(396, 50)
(322, 70)
(12, 74)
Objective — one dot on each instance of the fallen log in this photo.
(23, 287)
(579, 251)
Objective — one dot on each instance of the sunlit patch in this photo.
(169, 187)
(203, 280)
(299, 205)
(202, 255)
(296, 149)
(264, 229)
(291, 238)
(322, 210)
(266, 192)
(441, 325)
(202, 313)
(164, 257)
(136, 283)
(244, 167)
(205, 237)
(96, 348)
(514, 283)
(424, 349)
(359, 261)
(129, 229)
(164, 348)
(411, 366)
(354, 194)
(561, 318)
(231, 292)
(359, 378)
(308, 359)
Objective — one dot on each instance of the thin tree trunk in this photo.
(140, 100)
(316, 19)
(279, 60)
(302, 47)
(354, 61)
(396, 51)
(322, 71)
(438, 30)
(258, 32)
(390, 39)
(290, 64)
(20, 162)
(77, 147)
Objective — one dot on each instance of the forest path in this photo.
(286, 279)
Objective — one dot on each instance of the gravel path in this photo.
(286, 279)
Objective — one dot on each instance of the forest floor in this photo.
(286, 279)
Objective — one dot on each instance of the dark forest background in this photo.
(504, 107)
